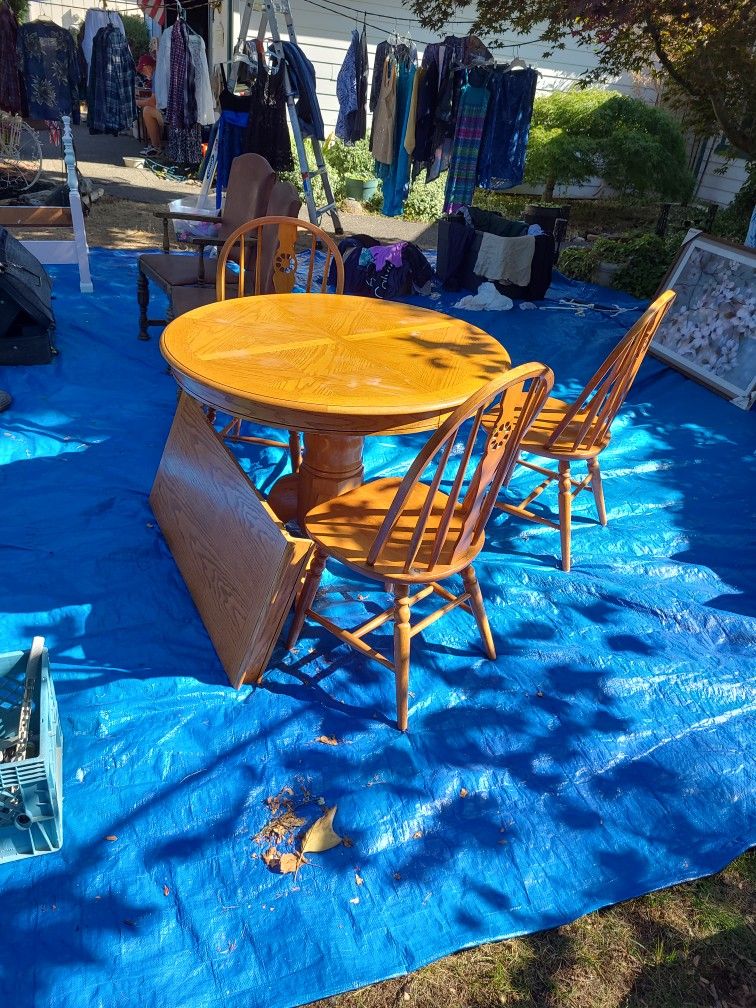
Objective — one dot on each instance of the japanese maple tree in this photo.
(706, 48)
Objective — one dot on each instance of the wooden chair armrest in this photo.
(201, 242)
(167, 215)
(180, 215)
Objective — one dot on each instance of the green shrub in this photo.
(137, 34)
(295, 176)
(20, 8)
(635, 148)
(578, 263)
(355, 161)
(425, 202)
(644, 258)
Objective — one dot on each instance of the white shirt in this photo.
(205, 104)
(95, 19)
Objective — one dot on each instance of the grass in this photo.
(691, 946)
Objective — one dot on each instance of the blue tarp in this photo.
(608, 751)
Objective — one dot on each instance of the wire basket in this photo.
(31, 796)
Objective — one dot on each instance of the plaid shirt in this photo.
(111, 104)
(50, 67)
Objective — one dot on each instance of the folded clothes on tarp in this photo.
(509, 260)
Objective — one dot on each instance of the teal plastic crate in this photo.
(31, 796)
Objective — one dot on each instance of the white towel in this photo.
(506, 259)
(487, 299)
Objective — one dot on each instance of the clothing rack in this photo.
(269, 9)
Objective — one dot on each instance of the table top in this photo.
(329, 362)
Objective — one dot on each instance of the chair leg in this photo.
(402, 644)
(295, 450)
(306, 596)
(598, 488)
(479, 610)
(143, 299)
(565, 512)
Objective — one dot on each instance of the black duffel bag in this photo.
(27, 321)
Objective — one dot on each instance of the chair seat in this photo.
(537, 438)
(171, 270)
(186, 299)
(346, 527)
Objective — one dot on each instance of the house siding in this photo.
(325, 36)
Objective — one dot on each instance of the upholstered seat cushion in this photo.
(185, 299)
(168, 269)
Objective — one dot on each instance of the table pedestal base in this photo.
(332, 464)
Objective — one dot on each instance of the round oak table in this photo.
(335, 367)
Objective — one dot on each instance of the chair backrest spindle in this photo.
(520, 394)
(272, 242)
(590, 416)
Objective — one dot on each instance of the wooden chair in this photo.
(284, 201)
(579, 431)
(250, 185)
(266, 253)
(406, 532)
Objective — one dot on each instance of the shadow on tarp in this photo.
(603, 754)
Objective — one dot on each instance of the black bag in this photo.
(27, 321)
(458, 247)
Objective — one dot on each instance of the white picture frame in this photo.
(709, 332)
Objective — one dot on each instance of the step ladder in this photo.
(269, 9)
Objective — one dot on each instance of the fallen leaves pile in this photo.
(280, 831)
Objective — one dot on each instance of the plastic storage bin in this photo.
(185, 230)
(31, 796)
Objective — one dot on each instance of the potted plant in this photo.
(354, 163)
(360, 186)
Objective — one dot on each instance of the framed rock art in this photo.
(710, 330)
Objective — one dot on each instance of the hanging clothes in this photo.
(182, 87)
(96, 18)
(50, 71)
(111, 105)
(396, 176)
(232, 136)
(202, 86)
(346, 90)
(452, 57)
(184, 135)
(427, 99)
(410, 133)
(359, 126)
(505, 135)
(10, 83)
(384, 119)
(268, 133)
(401, 52)
(463, 167)
(302, 80)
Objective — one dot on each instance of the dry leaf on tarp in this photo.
(271, 856)
(321, 836)
(290, 863)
